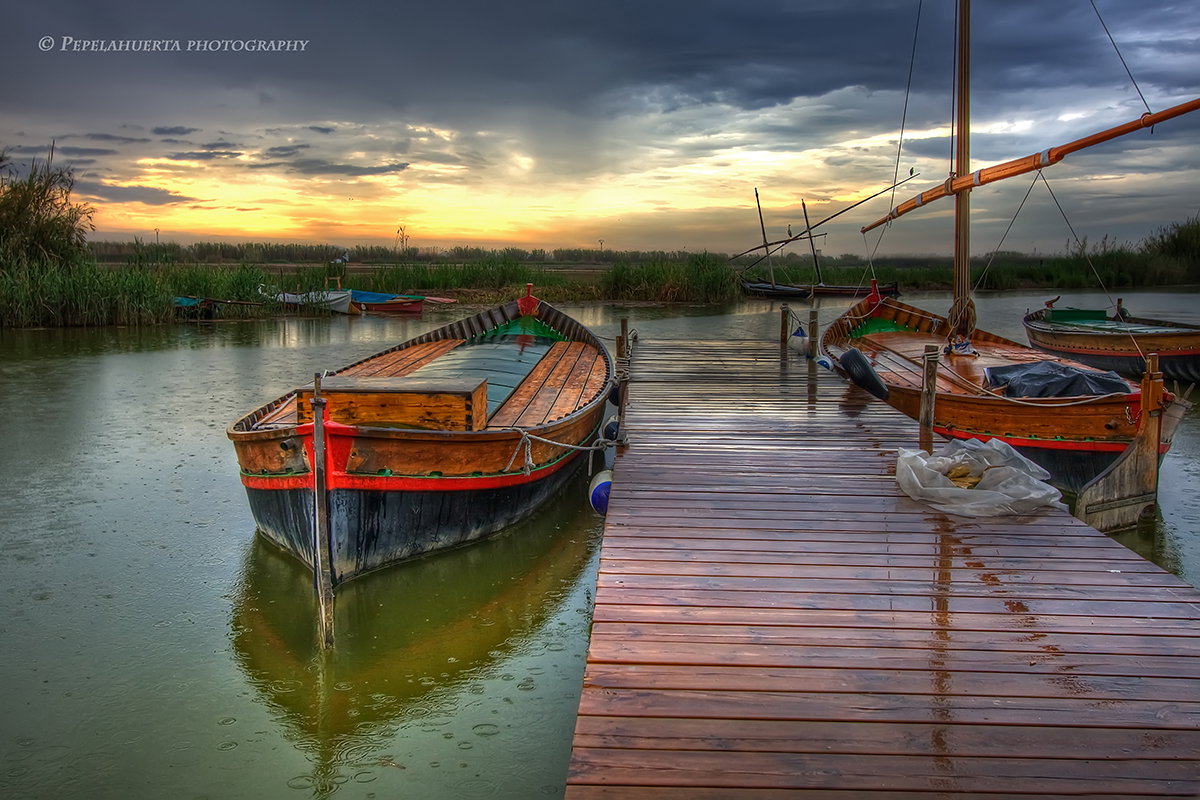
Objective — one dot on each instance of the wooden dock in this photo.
(774, 615)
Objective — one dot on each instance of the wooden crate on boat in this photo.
(440, 404)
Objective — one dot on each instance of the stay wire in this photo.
(1012, 222)
(1086, 257)
(907, 92)
(1123, 64)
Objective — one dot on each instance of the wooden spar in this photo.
(761, 224)
(322, 566)
(961, 316)
(1031, 163)
(811, 244)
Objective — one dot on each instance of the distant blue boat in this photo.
(380, 303)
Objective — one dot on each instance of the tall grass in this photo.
(702, 279)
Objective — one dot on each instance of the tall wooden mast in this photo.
(962, 313)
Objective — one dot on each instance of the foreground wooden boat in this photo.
(881, 342)
(1119, 343)
(428, 444)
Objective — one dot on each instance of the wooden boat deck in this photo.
(773, 615)
(566, 378)
(900, 354)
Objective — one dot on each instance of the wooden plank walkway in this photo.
(773, 615)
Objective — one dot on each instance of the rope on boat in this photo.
(527, 440)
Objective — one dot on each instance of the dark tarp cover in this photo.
(1052, 379)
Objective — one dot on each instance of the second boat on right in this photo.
(1119, 341)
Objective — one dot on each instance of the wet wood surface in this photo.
(774, 616)
(558, 386)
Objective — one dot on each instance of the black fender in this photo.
(859, 368)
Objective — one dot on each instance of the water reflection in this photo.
(412, 641)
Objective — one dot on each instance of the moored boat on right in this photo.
(1119, 342)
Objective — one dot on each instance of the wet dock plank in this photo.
(773, 615)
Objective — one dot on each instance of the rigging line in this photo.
(904, 115)
(1005, 236)
(1088, 258)
(1123, 64)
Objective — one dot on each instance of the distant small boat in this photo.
(434, 443)
(806, 290)
(336, 300)
(1119, 342)
(382, 303)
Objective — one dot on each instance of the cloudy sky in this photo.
(560, 123)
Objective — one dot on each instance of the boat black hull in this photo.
(371, 529)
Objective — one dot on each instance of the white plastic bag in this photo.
(1010, 483)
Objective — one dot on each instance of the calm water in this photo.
(154, 647)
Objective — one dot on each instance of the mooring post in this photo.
(625, 334)
(783, 325)
(322, 568)
(812, 333)
(928, 394)
(620, 347)
(1128, 490)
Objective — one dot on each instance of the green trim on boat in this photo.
(878, 325)
(525, 326)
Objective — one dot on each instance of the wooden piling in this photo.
(813, 333)
(322, 564)
(928, 395)
(783, 325)
(1128, 490)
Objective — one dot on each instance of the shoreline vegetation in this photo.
(52, 276)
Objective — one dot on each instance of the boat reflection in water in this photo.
(417, 647)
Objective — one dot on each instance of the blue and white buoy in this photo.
(825, 362)
(612, 428)
(599, 489)
(798, 341)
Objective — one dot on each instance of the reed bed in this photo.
(702, 279)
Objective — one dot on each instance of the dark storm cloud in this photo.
(285, 151)
(316, 166)
(202, 155)
(581, 89)
(38, 150)
(147, 195)
(108, 137)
